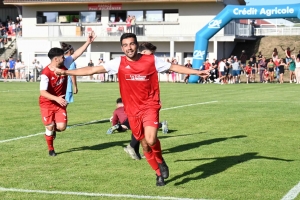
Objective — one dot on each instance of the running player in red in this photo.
(53, 90)
(139, 88)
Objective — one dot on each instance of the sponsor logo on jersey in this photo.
(136, 77)
(60, 81)
(198, 54)
(155, 122)
(52, 78)
(214, 23)
(127, 67)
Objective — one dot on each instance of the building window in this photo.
(43, 17)
(87, 17)
(139, 15)
(171, 15)
(117, 16)
(154, 15)
(68, 17)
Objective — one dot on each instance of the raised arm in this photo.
(80, 51)
(293, 49)
(84, 71)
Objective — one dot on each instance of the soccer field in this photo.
(225, 142)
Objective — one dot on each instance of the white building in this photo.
(170, 25)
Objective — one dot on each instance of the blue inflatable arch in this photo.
(236, 12)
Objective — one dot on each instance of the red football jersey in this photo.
(138, 82)
(55, 85)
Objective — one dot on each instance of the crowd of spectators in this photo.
(268, 69)
(10, 28)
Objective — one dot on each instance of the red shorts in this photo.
(148, 118)
(57, 115)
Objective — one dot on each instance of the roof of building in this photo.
(44, 2)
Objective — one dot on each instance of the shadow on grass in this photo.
(107, 145)
(89, 123)
(217, 166)
(189, 146)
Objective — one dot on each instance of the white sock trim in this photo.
(48, 132)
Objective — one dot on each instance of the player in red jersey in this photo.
(139, 88)
(53, 90)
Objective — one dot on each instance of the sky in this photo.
(270, 2)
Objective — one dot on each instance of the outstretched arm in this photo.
(80, 51)
(84, 71)
(184, 70)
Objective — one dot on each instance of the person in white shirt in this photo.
(222, 66)
(297, 70)
(17, 69)
(22, 70)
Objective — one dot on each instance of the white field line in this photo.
(194, 104)
(93, 194)
(28, 136)
(102, 120)
(293, 193)
(17, 90)
(283, 101)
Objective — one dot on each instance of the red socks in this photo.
(49, 140)
(152, 161)
(156, 148)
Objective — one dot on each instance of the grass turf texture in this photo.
(244, 146)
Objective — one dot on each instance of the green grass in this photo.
(243, 146)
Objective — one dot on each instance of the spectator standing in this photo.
(275, 54)
(258, 59)
(133, 24)
(128, 24)
(91, 64)
(12, 65)
(17, 69)
(281, 67)
(253, 67)
(262, 66)
(186, 76)
(236, 70)
(287, 52)
(248, 71)
(292, 66)
(298, 56)
(101, 76)
(3, 35)
(243, 59)
(38, 68)
(3, 66)
(297, 70)
(22, 70)
(270, 67)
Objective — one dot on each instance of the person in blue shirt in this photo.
(11, 72)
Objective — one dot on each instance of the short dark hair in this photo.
(66, 47)
(128, 35)
(55, 52)
(119, 100)
(147, 46)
